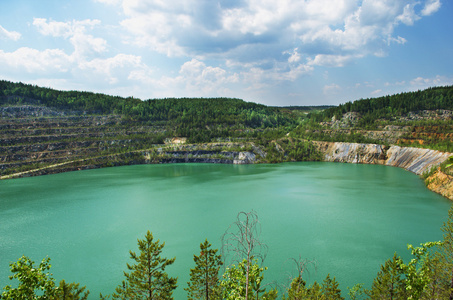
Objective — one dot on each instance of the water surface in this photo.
(348, 218)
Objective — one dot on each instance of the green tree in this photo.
(356, 292)
(147, 279)
(235, 279)
(71, 291)
(418, 272)
(389, 282)
(35, 283)
(444, 259)
(330, 289)
(327, 291)
(204, 278)
(297, 288)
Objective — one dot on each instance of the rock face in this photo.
(416, 160)
(441, 183)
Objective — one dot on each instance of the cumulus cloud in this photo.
(110, 69)
(86, 63)
(328, 32)
(222, 43)
(75, 31)
(9, 35)
(431, 6)
(39, 62)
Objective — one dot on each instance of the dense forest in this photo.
(391, 106)
(200, 119)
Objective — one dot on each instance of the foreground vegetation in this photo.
(428, 275)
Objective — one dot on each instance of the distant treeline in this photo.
(204, 119)
(197, 118)
(388, 107)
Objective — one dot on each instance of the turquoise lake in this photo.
(348, 218)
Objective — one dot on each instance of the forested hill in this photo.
(391, 106)
(195, 111)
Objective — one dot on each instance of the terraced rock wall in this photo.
(416, 160)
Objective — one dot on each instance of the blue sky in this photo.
(275, 52)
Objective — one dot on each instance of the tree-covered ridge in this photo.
(196, 111)
(390, 106)
(414, 119)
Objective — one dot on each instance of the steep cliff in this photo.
(416, 160)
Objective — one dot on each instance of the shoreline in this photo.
(415, 160)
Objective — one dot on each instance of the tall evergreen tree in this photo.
(71, 291)
(147, 279)
(204, 278)
(389, 283)
(330, 289)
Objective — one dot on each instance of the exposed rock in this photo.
(416, 160)
(245, 158)
(441, 183)
(348, 120)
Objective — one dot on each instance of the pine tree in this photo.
(71, 291)
(330, 289)
(389, 283)
(147, 279)
(204, 278)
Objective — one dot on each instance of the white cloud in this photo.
(431, 6)
(9, 35)
(52, 28)
(376, 92)
(398, 40)
(439, 80)
(38, 62)
(408, 16)
(195, 78)
(63, 29)
(110, 69)
(329, 33)
(84, 44)
(330, 60)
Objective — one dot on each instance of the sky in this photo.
(274, 52)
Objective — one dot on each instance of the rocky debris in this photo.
(208, 156)
(440, 114)
(348, 120)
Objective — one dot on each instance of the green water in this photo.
(349, 218)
